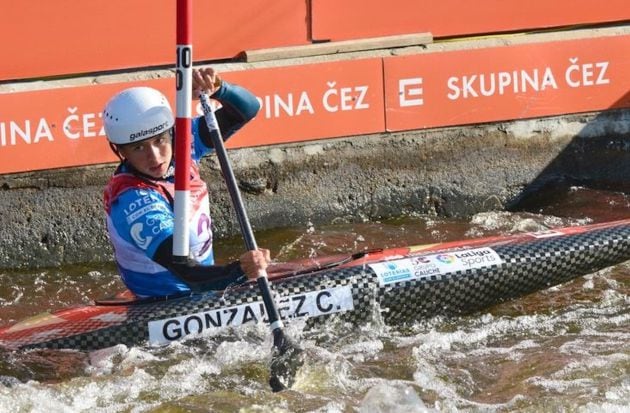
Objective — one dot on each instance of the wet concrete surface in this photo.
(55, 217)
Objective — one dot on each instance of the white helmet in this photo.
(135, 114)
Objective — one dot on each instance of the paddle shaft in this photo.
(246, 230)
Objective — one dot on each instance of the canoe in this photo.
(402, 284)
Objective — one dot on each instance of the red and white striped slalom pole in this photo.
(183, 85)
(286, 355)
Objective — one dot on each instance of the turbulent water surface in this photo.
(561, 350)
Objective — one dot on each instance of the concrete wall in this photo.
(55, 217)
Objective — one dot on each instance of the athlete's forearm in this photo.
(197, 276)
(239, 106)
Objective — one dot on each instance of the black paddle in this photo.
(286, 355)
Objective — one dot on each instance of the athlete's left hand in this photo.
(255, 262)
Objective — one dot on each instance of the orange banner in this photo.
(314, 101)
(357, 19)
(58, 37)
(62, 127)
(501, 83)
(55, 128)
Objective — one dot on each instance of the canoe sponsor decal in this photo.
(316, 303)
(426, 266)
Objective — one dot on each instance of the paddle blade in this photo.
(286, 358)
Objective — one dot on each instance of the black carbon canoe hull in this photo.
(404, 284)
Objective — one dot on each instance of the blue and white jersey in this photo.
(140, 212)
(140, 217)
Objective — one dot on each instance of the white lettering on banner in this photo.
(345, 98)
(417, 268)
(333, 100)
(588, 74)
(522, 81)
(76, 126)
(311, 304)
(362, 93)
(10, 133)
(409, 94)
(275, 106)
(490, 84)
(88, 125)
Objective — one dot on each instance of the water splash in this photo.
(564, 349)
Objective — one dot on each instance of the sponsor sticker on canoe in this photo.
(311, 304)
(426, 266)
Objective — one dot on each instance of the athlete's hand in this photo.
(206, 80)
(254, 262)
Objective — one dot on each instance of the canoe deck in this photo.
(403, 284)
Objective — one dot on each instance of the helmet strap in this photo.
(114, 149)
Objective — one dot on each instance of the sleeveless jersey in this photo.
(140, 216)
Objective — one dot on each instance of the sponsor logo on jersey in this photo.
(139, 213)
(136, 234)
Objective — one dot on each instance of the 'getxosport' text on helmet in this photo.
(135, 114)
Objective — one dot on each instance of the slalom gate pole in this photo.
(183, 86)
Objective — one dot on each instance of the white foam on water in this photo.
(188, 377)
(325, 370)
(112, 394)
(363, 350)
(17, 295)
(435, 377)
(397, 397)
(436, 348)
(124, 379)
(238, 352)
(562, 386)
(514, 352)
(589, 364)
(442, 360)
(511, 223)
(479, 331)
(117, 358)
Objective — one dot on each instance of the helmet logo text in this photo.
(148, 132)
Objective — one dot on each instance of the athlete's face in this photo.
(150, 156)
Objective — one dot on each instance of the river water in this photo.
(565, 349)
